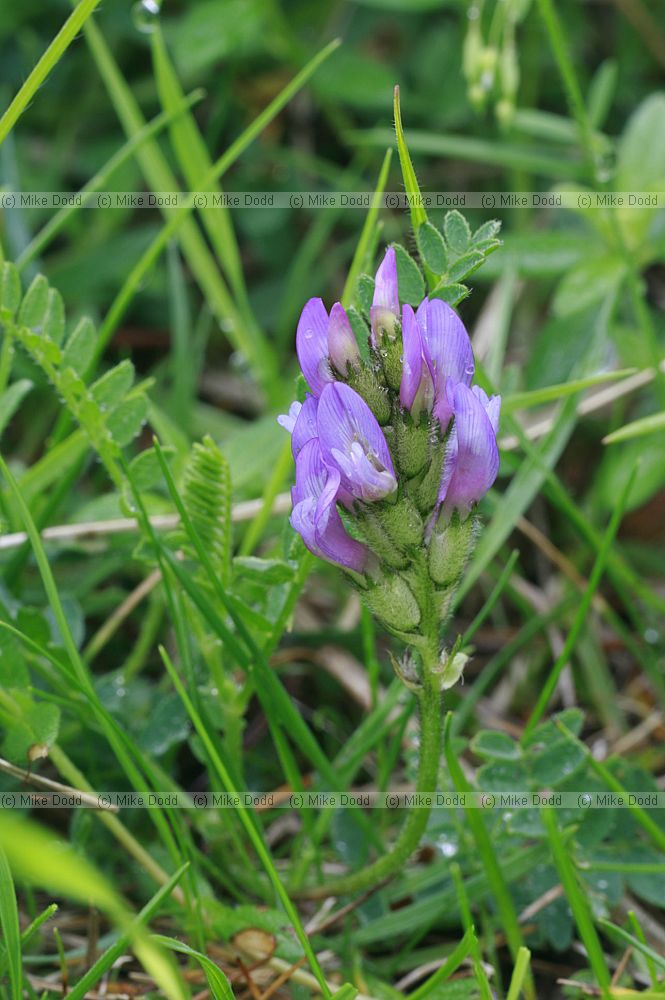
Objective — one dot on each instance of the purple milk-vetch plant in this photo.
(394, 448)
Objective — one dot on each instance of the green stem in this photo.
(429, 698)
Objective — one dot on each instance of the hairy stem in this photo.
(429, 698)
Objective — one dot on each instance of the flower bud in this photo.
(403, 523)
(392, 601)
(342, 345)
(449, 549)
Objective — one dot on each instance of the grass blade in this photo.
(247, 821)
(519, 973)
(42, 859)
(493, 872)
(577, 901)
(637, 428)
(583, 609)
(451, 964)
(51, 229)
(49, 59)
(360, 257)
(551, 393)
(105, 961)
(10, 928)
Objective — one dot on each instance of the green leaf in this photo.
(453, 294)
(206, 495)
(410, 281)
(53, 325)
(488, 231)
(457, 232)
(360, 331)
(127, 420)
(503, 776)
(109, 390)
(264, 571)
(432, 248)
(38, 723)
(10, 290)
(167, 725)
(464, 266)
(79, 350)
(556, 763)
(145, 469)
(365, 293)
(495, 745)
(35, 303)
(641, 149)
(11, 399)
(31, 622)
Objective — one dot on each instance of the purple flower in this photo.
(324, 341)
(472, 456)
(342, 343)
(312, 345)
(300, 422)
(315, 516)
(352, 442)
(384, 312)
(416, 389)
(447, 351)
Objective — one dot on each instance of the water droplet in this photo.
(447, 847)
(651, 636)
(469, 370)
(602, 883)
(144, 16)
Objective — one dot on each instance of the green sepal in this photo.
(449, 549)
(402, 522)
(393, 603)
(412, 446)
(378, 539)
(367, 384)
(426, 492)
(391, 354)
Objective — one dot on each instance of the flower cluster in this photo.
(393, 450)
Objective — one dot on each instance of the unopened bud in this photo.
(393, 603)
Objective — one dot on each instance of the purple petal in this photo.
(305, 425)
(288, 420)
(385, 283)
(315, 516)
(444, 400)
(477, 453)
(312, 345)
(412, 366)
(416, 387)
(342, 344)
(352, 441)
(384, 312)
(491, 405)
(447, 341)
